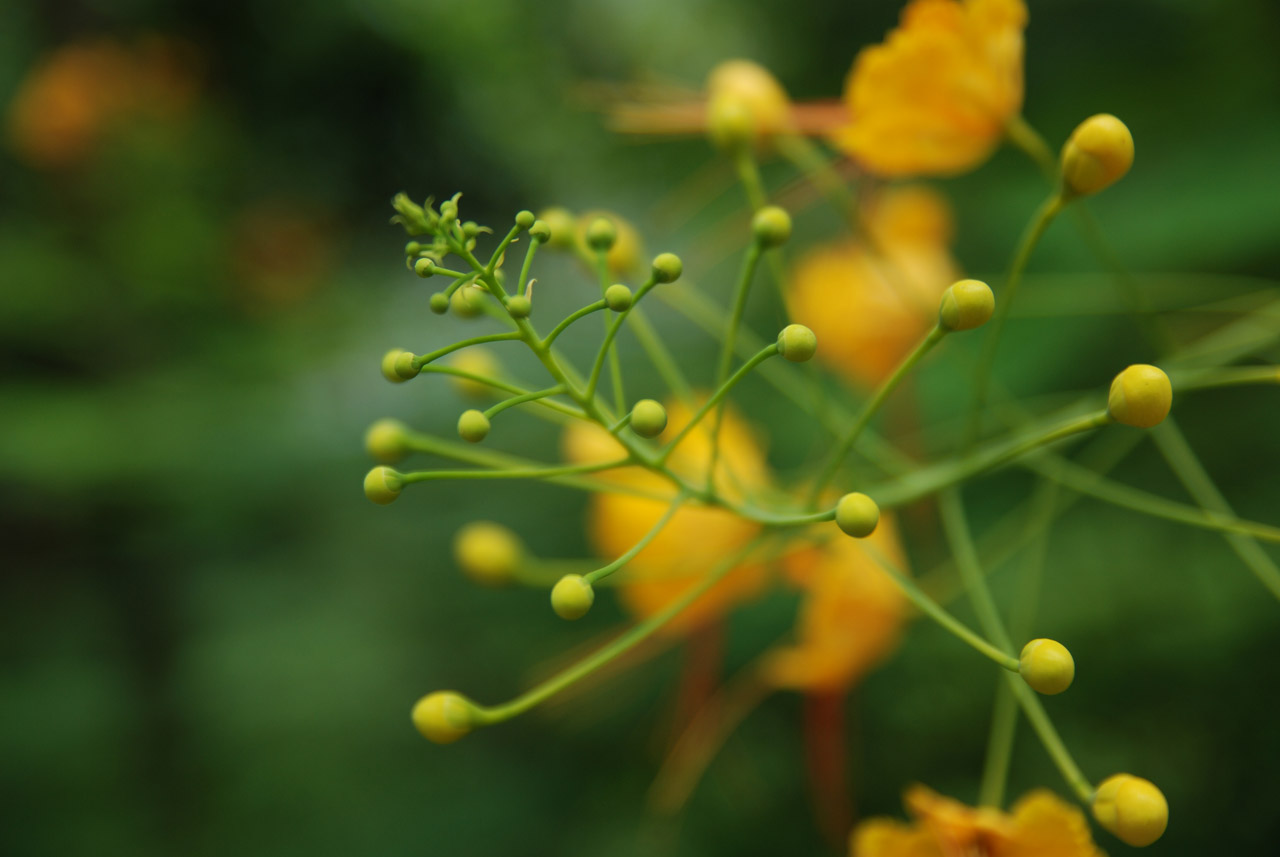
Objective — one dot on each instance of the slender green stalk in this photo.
(762, 355)
(423, 359)
(498, 252)
(522, 398)
(522, 285)
(530, 473)
(1004, 725)
(560, 407)
(570, 319)
(487, 715)
(667, 367)
(601, 573)
(1049, 737)
(1191, 473)
(610, 327)
(832, 466)
(1232, 376)
(749, 262)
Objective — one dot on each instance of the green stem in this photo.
(832, 466)
(1004, 726)
(529, 473)
(659, 356)
(643, 543)
(423, 359)
(522, 398)
(1234, 376)
(561, 407)
(762, 355)
(573, 316)
(615, 367)
(496, 258)
(523, 283)
(740, 292)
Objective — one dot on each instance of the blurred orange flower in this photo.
(70, 100)
(935, 97)
(869, 307)
(1040, 825)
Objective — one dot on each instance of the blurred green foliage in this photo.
(212, 641)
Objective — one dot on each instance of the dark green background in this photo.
(211, 640)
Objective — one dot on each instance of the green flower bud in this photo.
(648, 418)
(387, 440)
(405, 367)
(1047, 666)
(771, 226)
(424, 268)
(413, 248)
(730, 124)
(519, 306)
(857, 515)
(471, 229)
(966, 305)
(443, 717)
(473, 426)
(389, 365)
(797, 343)
(382, 485)
(618, 297)
(1140, 396)
(525, 219)
(572, 597)
(667, 267)
(562, 225)
(448, 212)
(489, 553)
(601, 233)
(540, 231)
(467, 302)
(439, 303)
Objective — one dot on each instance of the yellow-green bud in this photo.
(519, 306)
(424, 268)
(471, 229)
(730, 123)
(467, 302)
(489, 553)
(857, 515)
(1047, 666)
(413, 248)
(618, 297)
(443, 717)
(572, 596)
(797, 343)
(439, 303)
(525, 219)
(477, 361)
(648, 418)
(966, 305)
(667, 267)
(771, 226)
(387, 441)
(562, 225)
(1097, 155)
(601, 233)
(448, 211)
(406, 366)
(473, 426)
(389, 361)
(1140, 396)
(382, 485)
(540, 231)
(1132, 808)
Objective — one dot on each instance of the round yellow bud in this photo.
(525, 219)
(1097, 155)
(618, 297)
(562, 226)
(477, 361)
(601, 233)
(1132, 808)
(473, 426)
(857, 515)
(572, 596)
(387, 441)
(424, 267)
(745, 102)
(406, 365)
(467, 302)
(1047, 666)
(1140, 396)
(443, 717)
(771, 226)
(383, 485)
(489, 553)
(624, 251)
(439, 303)
(667, 267)
(389, 361)
(797, 343)
(966, 305)
(648, 418)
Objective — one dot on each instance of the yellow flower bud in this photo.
(667, 267)
(443, 716)
(489, 553)
(966, 305)
(562, 225)
(857, 515)
(572, 597)
(729, 123)
(1132, 808)
(1047, 666)
(477, 361)
(439, 303)
(771, 226)
(1140, 396)
(473, 426)
(648, 418)
(601, 233)
(618, 297)
(745, 102)
(424, 267)
(519, 306)
(797, 343)
(387, 440)
(1097, 155)
(382, 485)
(623, 251)
(389, 361)
(405, 367)
(540, 231)
(525, 219)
